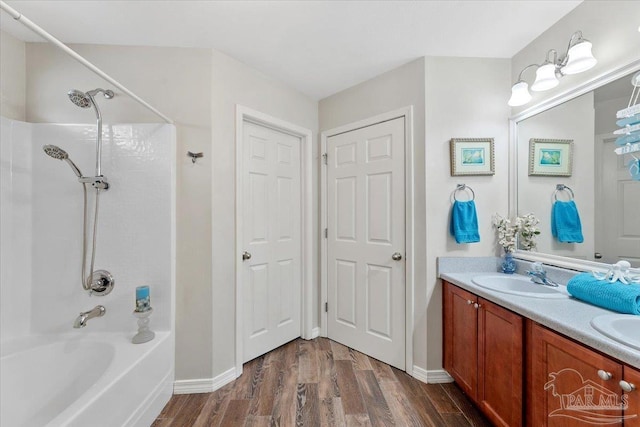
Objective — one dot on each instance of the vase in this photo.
(508, 264)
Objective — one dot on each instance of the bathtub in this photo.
(85, 379)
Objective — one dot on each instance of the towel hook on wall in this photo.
(562, 187)
(194, 156)
(463, 187)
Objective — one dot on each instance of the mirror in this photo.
(606, 196)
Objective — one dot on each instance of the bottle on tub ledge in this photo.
(142, 311)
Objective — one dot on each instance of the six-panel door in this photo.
(366, 240)
(271, 279)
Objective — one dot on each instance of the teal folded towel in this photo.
(464, 222)
(565, 222)
(615, 296)
(629, 120)
(628, 139)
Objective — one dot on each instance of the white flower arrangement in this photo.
(506, 232)
(524, 226)
(527, 230)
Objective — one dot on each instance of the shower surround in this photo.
(40, 255)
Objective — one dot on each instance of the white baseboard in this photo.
(434, 376)
(204, 385)
(315, 332)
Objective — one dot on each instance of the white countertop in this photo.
(570, 317)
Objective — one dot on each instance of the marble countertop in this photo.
(570, 317)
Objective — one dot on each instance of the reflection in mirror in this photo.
(606, 196)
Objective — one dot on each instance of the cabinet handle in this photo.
(476, 305)
(627, 387)
(469, 302)
(604, 375)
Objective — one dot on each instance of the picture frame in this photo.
(550, 157)
(472, 156)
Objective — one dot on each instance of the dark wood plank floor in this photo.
(322, 383)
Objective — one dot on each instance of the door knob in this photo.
(627, 387)
(604, 375)
(246, 255)
(397, 256)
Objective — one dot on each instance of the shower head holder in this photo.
(97, 182)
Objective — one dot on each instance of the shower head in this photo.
(58, 153)
(79, 98)
(85, 99)
(55, 152)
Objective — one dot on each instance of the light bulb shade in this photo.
(579, 58)
(519, 94)
(545, 78)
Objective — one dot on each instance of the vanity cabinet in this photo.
(572, 385)
(483, 353)
(631, 377)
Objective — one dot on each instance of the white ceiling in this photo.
(317, 47)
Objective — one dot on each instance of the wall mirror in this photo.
(600, 183)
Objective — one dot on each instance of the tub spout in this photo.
(81, 320)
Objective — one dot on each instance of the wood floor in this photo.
(322, 383)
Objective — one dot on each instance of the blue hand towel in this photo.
(464, 222)
(614, 296)
(565, 222)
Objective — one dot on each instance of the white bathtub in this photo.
(85, 379)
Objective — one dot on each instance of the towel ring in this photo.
(562, 187)
(463, 187)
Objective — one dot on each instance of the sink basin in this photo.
(624, 328)
(518, 285)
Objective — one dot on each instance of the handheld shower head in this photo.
(58, 153)
(55, 152)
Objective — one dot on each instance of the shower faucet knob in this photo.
(101, 283)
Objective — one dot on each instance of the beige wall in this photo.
(234, 83)
(178, 83)
(12, 77)
(612, 27)
(465, 98)
(390, 91)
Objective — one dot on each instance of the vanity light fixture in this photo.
(578, 59)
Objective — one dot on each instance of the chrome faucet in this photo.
(81, 320)
(539, 276)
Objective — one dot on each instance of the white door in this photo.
(366, 240)
(271, 234)
(617, 223)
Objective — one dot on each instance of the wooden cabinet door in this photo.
(566, 389)
(461, 338)
(500, 360)
(632, 414)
